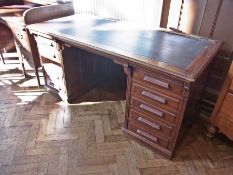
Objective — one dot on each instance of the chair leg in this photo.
(37, 76)
(1, 55)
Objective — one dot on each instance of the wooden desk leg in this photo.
(128, 72)
(211, 131)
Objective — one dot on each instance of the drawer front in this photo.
(158, 83)
(54, 76)
(227, 105)
(47, 42)
(50, 53)
(53, 70)
(156, 98)
(150, 125)
(231, 86)
(153, 111)
(149, 136)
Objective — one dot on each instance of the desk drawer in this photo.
(226, 107)
(50, 53)
(148, 135)
(153, 111)
(151, 125)
(156, 98)
(47, 42)
(158, 83)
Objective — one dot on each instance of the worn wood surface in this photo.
(40, 135)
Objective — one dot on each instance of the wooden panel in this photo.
(83, 70)
(226, 108)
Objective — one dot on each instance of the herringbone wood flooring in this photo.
(40, 135)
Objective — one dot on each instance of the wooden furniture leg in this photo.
(37, 76)
(1, 55)
(211, 131)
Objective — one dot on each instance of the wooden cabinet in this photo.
(222, 116)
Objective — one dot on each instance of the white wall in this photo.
(142, 12)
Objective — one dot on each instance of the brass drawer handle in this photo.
(157, 82)
(153, 125)
(143, 133)
(152, 110)
(154, 97)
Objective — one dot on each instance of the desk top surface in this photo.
(160, 49)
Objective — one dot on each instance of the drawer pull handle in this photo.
(157, 82)
(51, 84)
(153, 125)
(155, 97)
(54, 56)
(143, 133)
(152, 110)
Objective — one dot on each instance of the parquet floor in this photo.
(40, 135)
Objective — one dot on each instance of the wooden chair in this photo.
(25, 43)
(6, 42)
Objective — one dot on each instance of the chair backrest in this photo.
(45, 13)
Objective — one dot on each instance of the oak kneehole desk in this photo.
(165, 71)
